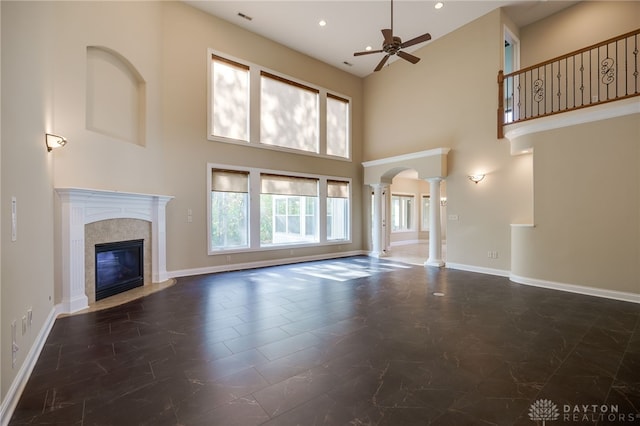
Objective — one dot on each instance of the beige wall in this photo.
(187, 33)
(417, 188)
(92, 159)
(449, 99)
(578, 26)
(27, 169)
(585, 177)
(587, 231)
(44, 82)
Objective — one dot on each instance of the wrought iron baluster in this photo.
(635, 54)
(532, 92)
(626, 66)
(582, 79)
(566, 83)
(590, 78)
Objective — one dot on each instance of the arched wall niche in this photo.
(116, 96)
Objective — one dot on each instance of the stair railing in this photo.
(597, 74)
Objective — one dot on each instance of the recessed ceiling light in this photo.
(322, 23)
(438, 294)
(439, 5)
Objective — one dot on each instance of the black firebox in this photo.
(119, 267)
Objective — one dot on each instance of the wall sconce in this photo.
(443, 201)
(54, 141)
(476, 178)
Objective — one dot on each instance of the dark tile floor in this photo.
(353, 341)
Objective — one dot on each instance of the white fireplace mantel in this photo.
(81, 206)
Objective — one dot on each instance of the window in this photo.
(288, 210)
(401, 212)
(229, 209)
(337, 126)
(337, 210)
(251, 105)
(425, 213)
(230, 100)
(288, 114)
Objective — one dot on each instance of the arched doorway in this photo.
(429, 166)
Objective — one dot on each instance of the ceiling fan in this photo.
(392, 45)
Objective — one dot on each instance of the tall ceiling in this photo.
(353, 25)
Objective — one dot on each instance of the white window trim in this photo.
(254, 210)
(254, 111)
(413, 227)
(422, 228)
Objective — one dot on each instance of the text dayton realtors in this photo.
(594, 413)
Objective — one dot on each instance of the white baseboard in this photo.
(573, 288)
(261, 264)
(408, 242)
(12, 397)
(479, 269)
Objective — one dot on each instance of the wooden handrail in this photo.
(574, 53)
(603, 72)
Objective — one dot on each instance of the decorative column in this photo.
(378, 229)
(72, 255)
(435, 226)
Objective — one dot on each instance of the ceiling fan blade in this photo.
(419, 39)
(382, 62)
(388, 36)
(367, 52)
(408, 57)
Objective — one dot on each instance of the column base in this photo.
(378, 254)
(434, 262)
(75, 304)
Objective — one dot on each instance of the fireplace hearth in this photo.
(119, 267)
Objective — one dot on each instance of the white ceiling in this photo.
(354, 25)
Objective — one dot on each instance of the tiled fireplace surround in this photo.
(111, 216)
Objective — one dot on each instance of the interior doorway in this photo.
(511, 64)
(405, 218)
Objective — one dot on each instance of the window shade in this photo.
(229, 181)
(287, 81)
(288, 185)
(289, 114)
(337, 189)
(337, 126)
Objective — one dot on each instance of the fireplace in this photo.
(119, 267)
(83, 208)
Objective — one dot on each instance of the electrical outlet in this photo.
(189, 216)
(29, 317)
(24, 325)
